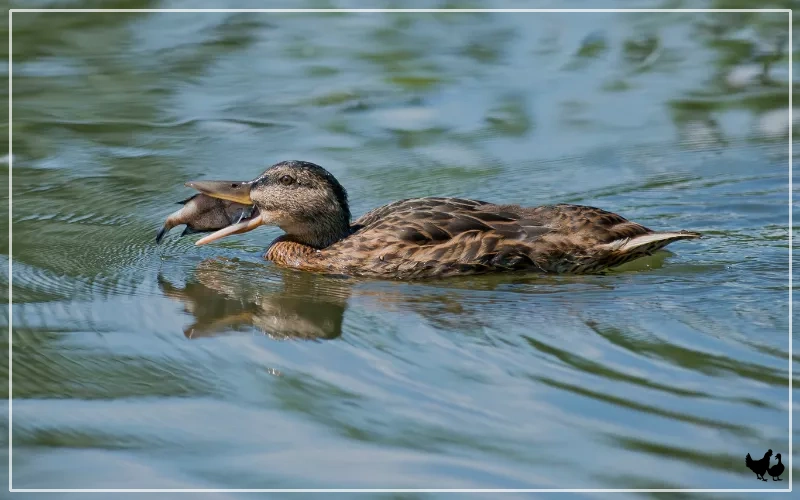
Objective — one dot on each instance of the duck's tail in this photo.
(748, 460)
(648, 243)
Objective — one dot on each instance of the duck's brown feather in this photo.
(426, 237)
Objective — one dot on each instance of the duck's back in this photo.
(424, 237)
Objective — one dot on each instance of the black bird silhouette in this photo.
(758, 466)
(777, 469)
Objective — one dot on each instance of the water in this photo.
(176, 366)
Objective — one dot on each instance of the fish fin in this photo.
(187, 200)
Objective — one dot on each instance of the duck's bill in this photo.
(243, 226)
(237, 191)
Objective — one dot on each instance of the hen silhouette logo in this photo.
(762, 466)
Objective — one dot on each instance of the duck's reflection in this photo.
(225, 296)
(292, 306)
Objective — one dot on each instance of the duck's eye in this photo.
(287, 180)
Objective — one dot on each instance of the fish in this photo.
(203, 214)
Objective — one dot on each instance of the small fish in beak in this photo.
(236, 192)
(202, 213)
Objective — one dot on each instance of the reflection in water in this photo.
(311, 306)
(297, 307)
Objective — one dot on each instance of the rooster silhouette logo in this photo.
(761, 466)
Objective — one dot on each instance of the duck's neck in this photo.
(321, 231)
(323, 238)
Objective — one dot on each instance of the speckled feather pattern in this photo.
(438, 237)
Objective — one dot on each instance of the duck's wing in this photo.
(438, 236)
(584, 222)
(454, 236)
(439, 219)
(432, 221)
(416, 204)
(588, 239)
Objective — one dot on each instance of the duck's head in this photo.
(778, 456)
(301, 198)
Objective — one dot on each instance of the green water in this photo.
(175, 366)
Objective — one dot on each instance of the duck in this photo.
(776, 470)
(419, 238)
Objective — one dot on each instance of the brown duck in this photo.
(414, 238)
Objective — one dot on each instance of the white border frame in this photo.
(372, 490)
